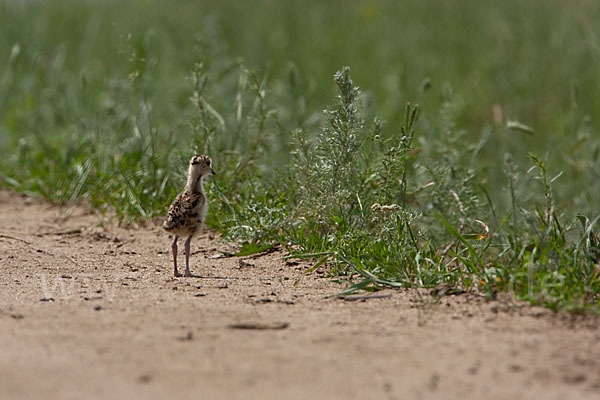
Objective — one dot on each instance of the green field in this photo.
(383, 139)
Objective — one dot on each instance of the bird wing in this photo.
(184, 210)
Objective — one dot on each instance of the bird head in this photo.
(200, 166)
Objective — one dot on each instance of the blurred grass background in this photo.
(535, 62)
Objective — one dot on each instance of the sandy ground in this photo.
(91, 310)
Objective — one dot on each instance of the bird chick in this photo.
(186, 213)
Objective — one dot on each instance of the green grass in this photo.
(490, 183)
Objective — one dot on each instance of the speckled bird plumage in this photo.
(186, 214)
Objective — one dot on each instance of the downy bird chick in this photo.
(186, 214)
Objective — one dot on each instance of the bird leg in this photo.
(174, 248)
(187, 257)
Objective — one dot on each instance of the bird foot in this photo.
(178, 275)
(188, 274)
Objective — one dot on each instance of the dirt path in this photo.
(93, 312)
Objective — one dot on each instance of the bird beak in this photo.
(212, 171)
